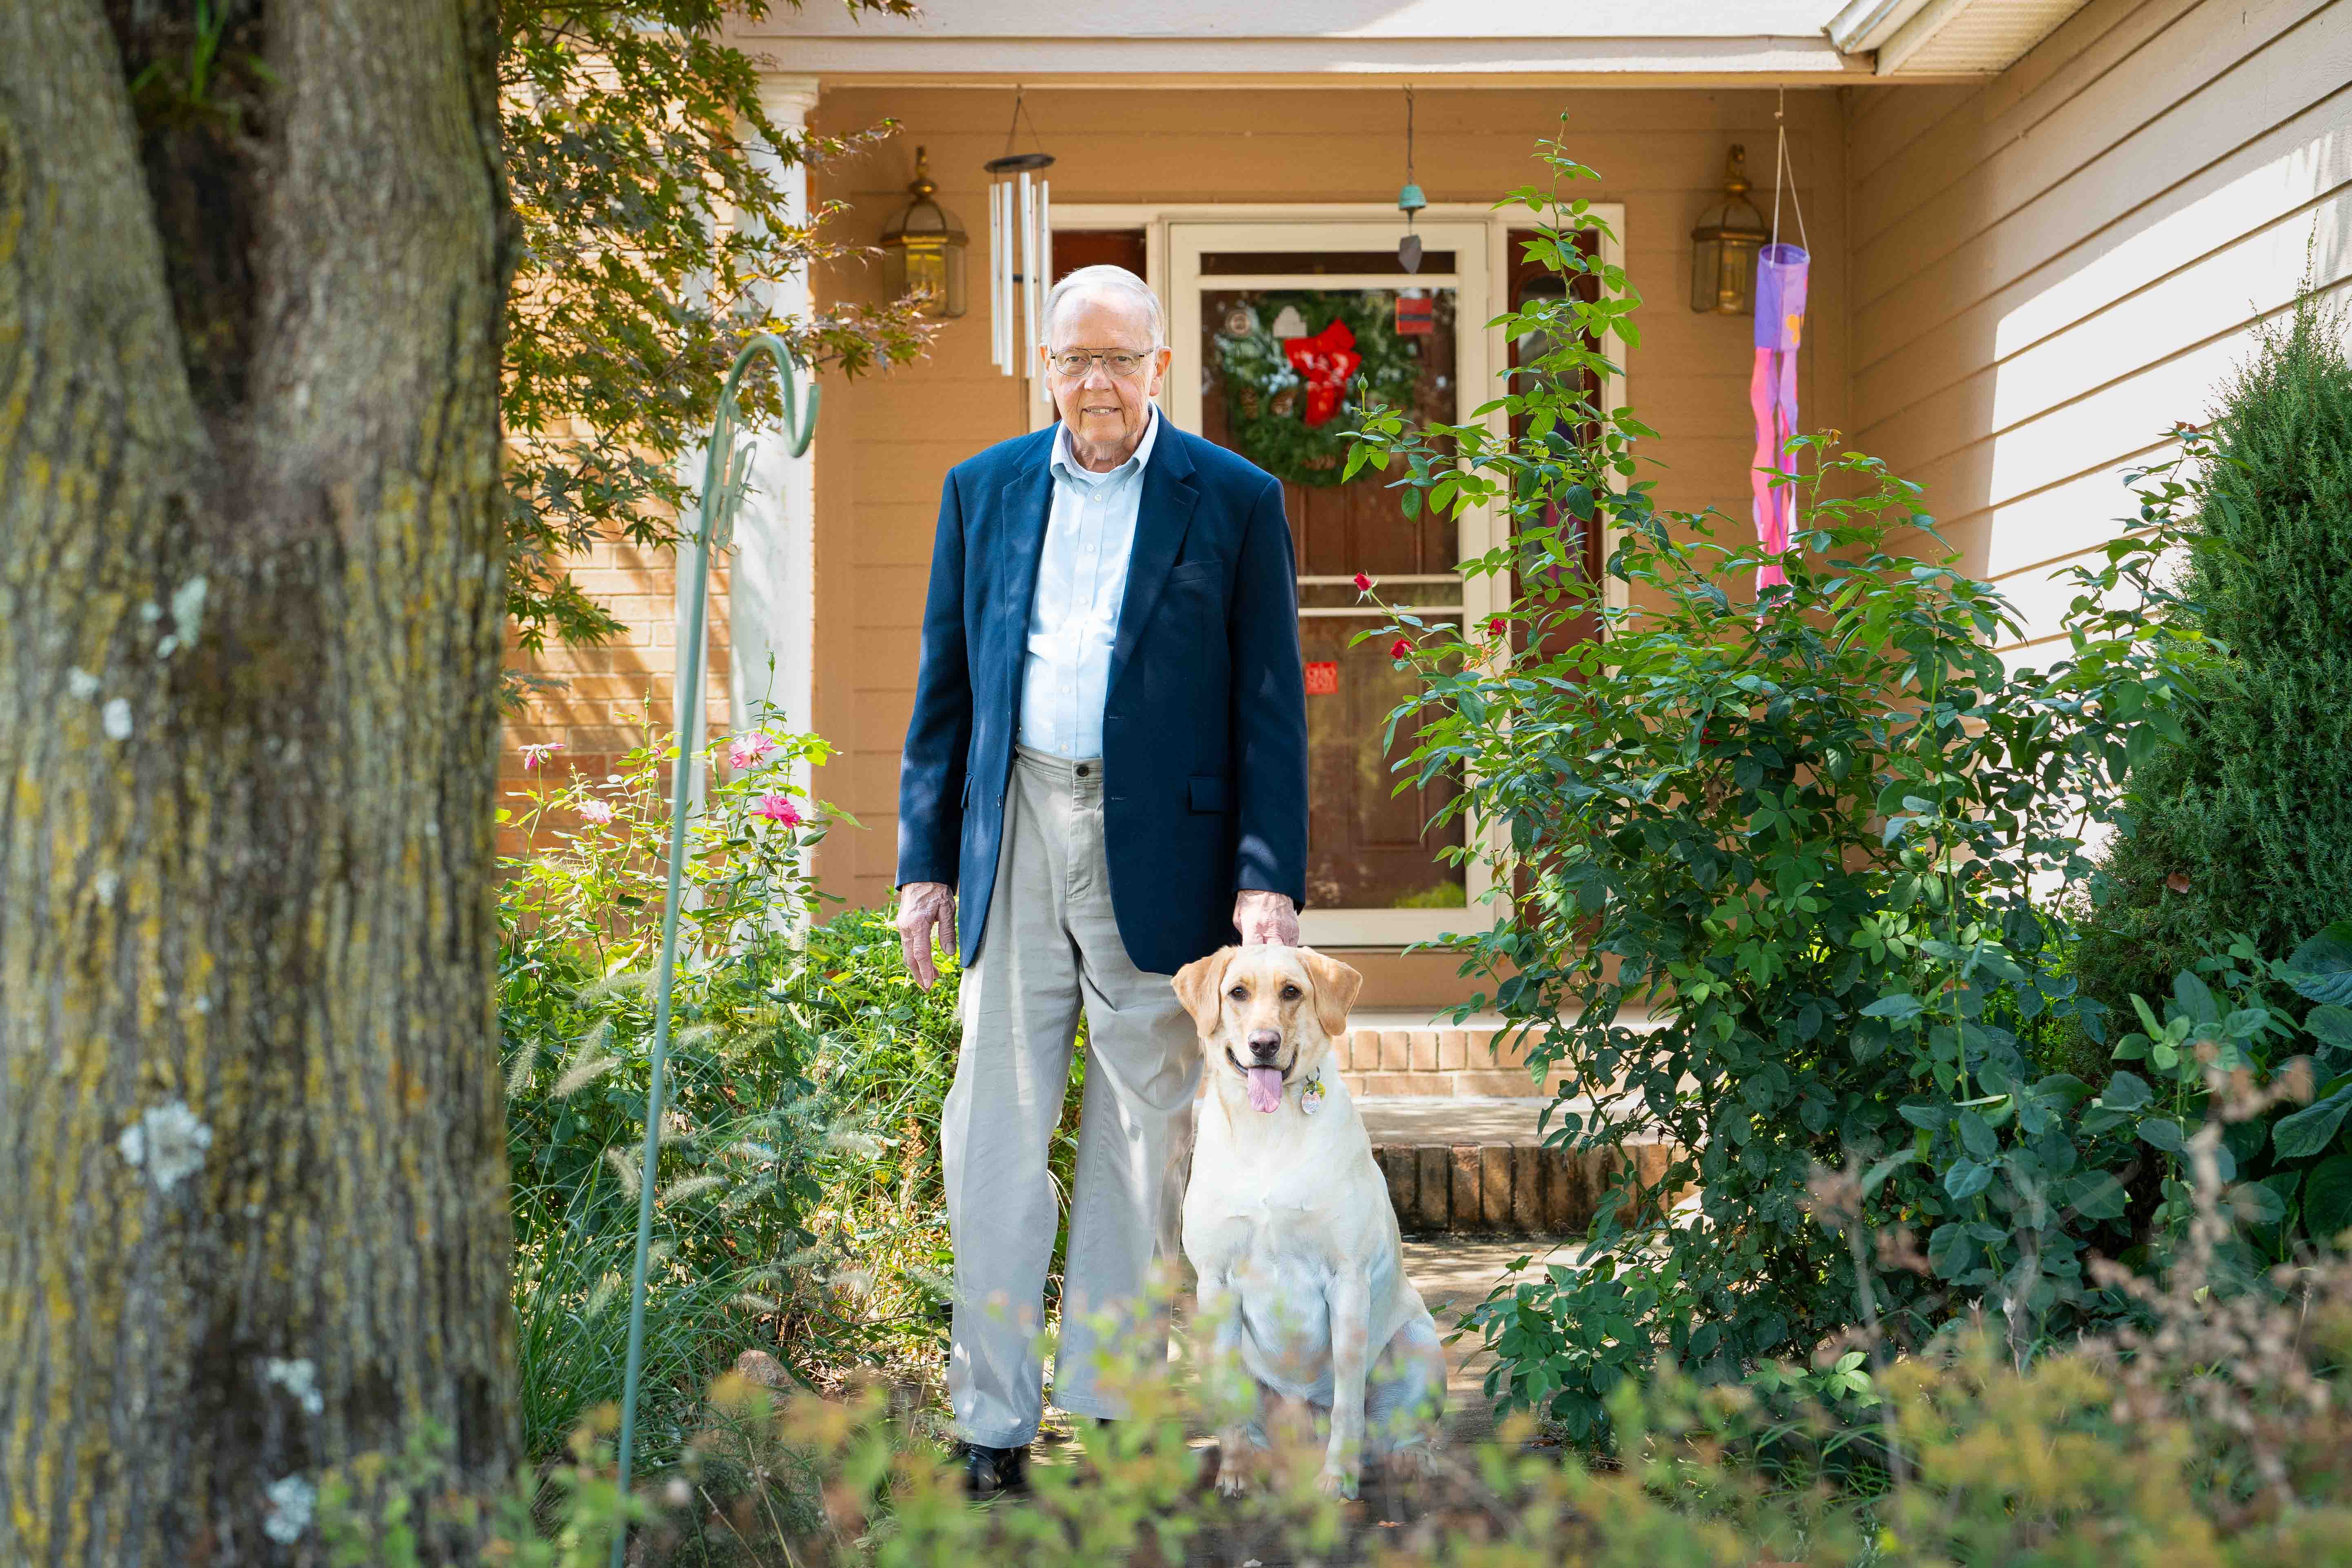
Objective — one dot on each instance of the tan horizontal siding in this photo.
(2075, 255)
(1998, 140)
(2281, 175)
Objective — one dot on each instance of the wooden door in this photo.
(1245, 300)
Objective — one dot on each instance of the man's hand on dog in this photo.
(927, 911)
(1265, 918)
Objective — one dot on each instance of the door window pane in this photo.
(1368, 846)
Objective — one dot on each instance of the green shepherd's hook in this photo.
(725, 474)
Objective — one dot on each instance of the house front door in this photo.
(1281, 330)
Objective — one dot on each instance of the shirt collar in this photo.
(1064, 465)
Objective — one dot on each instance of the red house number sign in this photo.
(1322, 678)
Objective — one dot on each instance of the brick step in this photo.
(1477, 1165)
(1402, 1054)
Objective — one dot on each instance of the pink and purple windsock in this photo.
(1772, 395)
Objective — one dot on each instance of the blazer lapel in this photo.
(1025, 504)
(1159, 524)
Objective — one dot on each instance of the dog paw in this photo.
(1336, 1482)
(1230, 1483)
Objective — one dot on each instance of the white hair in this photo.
(1104, 279)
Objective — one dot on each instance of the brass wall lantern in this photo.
(1724, 246)
(922, 248)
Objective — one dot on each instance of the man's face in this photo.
(1106, 413)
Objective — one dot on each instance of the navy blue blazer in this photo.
(1204, 729)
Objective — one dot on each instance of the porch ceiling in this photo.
(1198, 43)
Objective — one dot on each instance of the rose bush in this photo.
(1775, 883)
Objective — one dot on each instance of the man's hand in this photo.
(1265, 918)
(927, 911)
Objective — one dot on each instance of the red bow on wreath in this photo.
(1323, 363)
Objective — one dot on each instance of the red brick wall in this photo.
(608, 693)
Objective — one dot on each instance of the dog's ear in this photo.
(1335, 985)
(1200, 985)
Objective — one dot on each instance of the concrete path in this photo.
(1453, 1275)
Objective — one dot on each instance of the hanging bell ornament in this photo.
(1409, 201)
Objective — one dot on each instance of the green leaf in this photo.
(2062, 1088)
(1977, 1137)
(1966, 1179)
(2164, 1133)
(2257, 1203)
(2321, 969)
(1900, 1007)
(2312, 1129)
(1948, 1249)
(2332, 1024)
(2195, 999)
(2327, 1197)
(2125, 1091)
(2093, 1194)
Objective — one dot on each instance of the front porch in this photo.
(2013, 288)
(1186, 183)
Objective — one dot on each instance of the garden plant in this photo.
(1778, 881)
(580, 913)
(2212, 1437)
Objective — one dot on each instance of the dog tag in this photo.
(1310, 1098)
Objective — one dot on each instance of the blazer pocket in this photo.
(1197, 571)
(1208, 793)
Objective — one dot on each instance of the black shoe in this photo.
(992, 1472)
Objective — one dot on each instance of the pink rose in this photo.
(776, 808)
(532, 755)
(596, 812)
(749, 750)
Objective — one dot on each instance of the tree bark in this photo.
(253, 1210)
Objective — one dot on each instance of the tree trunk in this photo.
(253, 1214)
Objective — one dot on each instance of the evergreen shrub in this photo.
(2244, 826)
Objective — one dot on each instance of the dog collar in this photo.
(1310, 1097)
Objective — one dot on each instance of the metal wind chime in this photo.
(1020, 247)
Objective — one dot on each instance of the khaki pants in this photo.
(1052, 946)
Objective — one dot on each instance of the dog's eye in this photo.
(1290, 993)
(1239, 994)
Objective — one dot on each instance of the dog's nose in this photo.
(1264, 1044)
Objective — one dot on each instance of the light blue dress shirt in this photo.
(1081, 583)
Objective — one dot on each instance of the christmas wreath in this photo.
(1290, 400)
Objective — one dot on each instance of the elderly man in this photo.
(1106, 769)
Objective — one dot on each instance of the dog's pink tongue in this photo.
(1264, 1087)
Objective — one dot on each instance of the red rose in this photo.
(1401, 649)
(1498, 625)
(1363, 584)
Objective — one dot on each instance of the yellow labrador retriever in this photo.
(1288, 1221)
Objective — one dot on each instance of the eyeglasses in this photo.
(1122, 364)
